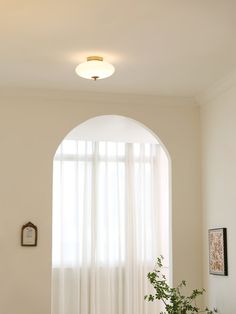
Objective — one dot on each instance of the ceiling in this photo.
(158, 47)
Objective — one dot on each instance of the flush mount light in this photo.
(95, 68)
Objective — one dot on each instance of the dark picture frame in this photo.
(218, 260)
(29, 234)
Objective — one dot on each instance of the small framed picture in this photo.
(29, 235)
(218, 264)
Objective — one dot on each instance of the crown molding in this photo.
(71, 96)
(216, 89)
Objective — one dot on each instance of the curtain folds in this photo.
(106, 226)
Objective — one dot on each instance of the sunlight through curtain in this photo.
(110, 222)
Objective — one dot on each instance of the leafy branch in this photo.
(173, 299)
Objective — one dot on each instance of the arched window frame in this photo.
(57, 157)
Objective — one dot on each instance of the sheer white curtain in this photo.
(108, 225)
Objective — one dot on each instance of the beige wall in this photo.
(32, 124)
(219, 191)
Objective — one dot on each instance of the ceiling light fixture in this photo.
(95, 68)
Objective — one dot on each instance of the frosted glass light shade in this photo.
(95, 69)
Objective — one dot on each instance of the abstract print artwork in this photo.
(217, 251)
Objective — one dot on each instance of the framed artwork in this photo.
(29, 235)
(218, 264)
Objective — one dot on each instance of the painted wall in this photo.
(219, 196)
(32, 124)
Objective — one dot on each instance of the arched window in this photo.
(110, 217)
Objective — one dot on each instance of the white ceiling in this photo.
(167, 47)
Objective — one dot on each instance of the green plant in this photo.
(174, 301)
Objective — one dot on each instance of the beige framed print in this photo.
(29, 235)
(218, 264)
